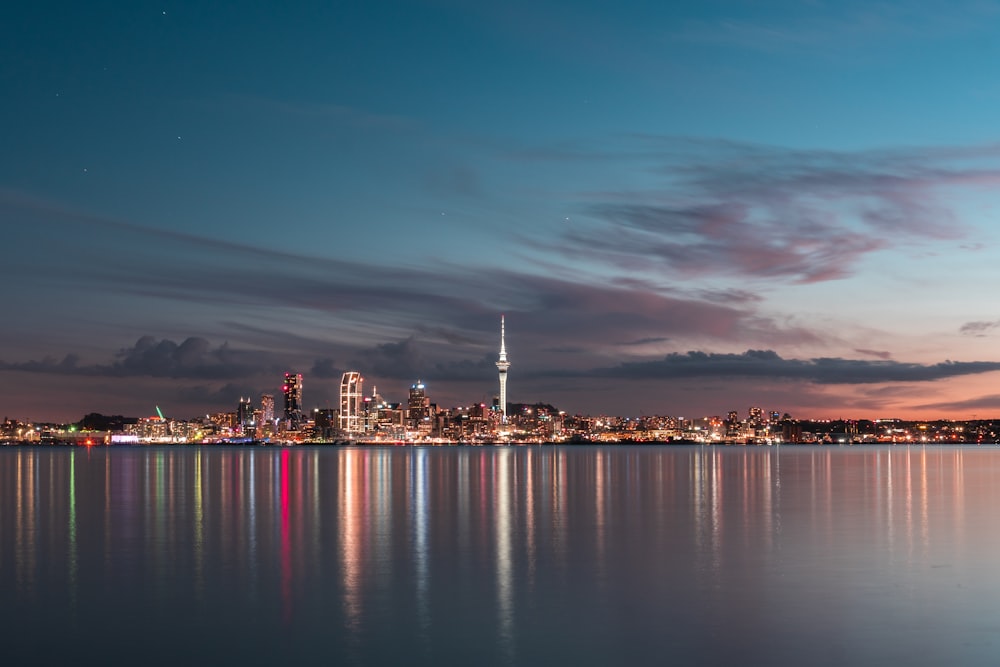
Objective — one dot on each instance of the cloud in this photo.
(408, 360)
(376, 303)
(990, 402)
(325, 369)
(730, 209)
(581, 314)
(151, 357)
(229, 394)
(646, 341)
(399, 360)
(728, 296)
(446, 334)
(726, 239)
(768, 364)
(979, 329)
(881, 354)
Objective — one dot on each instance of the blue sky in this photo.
(681, 208)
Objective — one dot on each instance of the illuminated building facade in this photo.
(418, 407)
(267, 408)
(292, 389)
(502, 366)
(244, 414)
(733, 424)
(351, 414)
(325, 423)
(418, 401)
(383, 420)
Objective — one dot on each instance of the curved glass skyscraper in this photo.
(351, 419)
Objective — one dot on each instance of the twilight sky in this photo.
(682, 208)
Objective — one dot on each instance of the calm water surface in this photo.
(509, 555)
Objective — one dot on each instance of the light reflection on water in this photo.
(510, 555)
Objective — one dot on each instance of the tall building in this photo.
(325, 423)
(502, 366)
(351, 408)
(733, 424)
(418, 404)
(267, 408)
(383, 419)
(244, 413)
(293, 399)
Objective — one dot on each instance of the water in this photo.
(505, 555)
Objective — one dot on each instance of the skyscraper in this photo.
(418, 404)
(502, 366)
(351, 417)
(267, 408)
(293, 399)
(244, 413)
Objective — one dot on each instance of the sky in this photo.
(680, 208)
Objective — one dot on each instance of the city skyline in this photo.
(682, 209)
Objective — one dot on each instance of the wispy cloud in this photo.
(763, 212)
(989, 402)
(354, 300)
(979, 329)
(880, 354)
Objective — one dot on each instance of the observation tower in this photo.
(502, 366)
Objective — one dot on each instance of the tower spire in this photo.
(502, 366)
(503, 346)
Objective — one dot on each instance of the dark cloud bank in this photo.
(407, 360)
(149, 357)
(767, 364)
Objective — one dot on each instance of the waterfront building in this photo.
(370, 407)
(755, 423)
(325, 423)
(419, 415)
(733, 424)
(351, 415)
(225, 421)
(245, 415)
(292, 389)
(267, 408)
(502, 366)
(381, 420)
(418, 402)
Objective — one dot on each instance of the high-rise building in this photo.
(351, 408)
(292, 389)
(325, 423)
(502, 366)
(418, 404)
(420, 413)
(732, 424)
(267, 408)
(244, 413)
